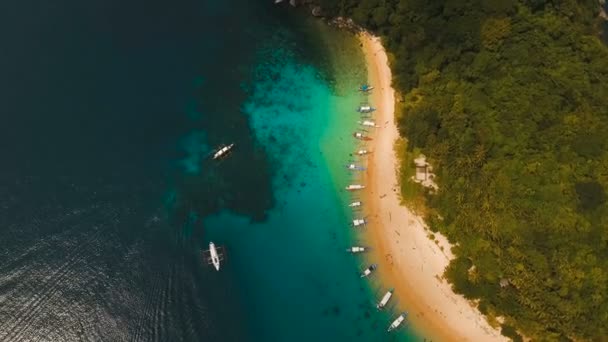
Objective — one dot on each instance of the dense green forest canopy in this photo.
(508, 99)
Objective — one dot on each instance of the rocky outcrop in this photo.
(316, 10)
(345, 24)
(296, 3)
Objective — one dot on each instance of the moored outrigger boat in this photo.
(361, 136)
(363, 152)
(365, 88)
(368, 123)
(354, 167)
(356, 249)
(369, 270)
(215, 255)
(222, 151)
(397, 322)
(365, 109)
(355, 204)
(359, 222)
(353, 187)
(387, 296)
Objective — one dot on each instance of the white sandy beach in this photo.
(408, 260)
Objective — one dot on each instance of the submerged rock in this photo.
(335, 310)
(317, 12)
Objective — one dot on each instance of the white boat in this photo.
(354, 187)
(397, 322)
(355, 204)
(222, 151)
(387, 296)
(356, 249)
(363, 152)
(214, 256)
(369, 270)
(354, 167)
(368, 123)
(361, 136)
(359, 222)
(365, 109)
(278, 1)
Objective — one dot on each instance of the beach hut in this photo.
(421, 168)
(424, 174)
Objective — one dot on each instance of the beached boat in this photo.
(397, 322)
(365, 88)
(368, 123)
(369, 270)
(354, 167)
(355, 204)
(361, 136)
(222, 151)
(356, 249)
(359, 222)
(365, 109)
(387, 296)
(354, 187)
(363, 152)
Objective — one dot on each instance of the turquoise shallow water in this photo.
(297, 281)
(107, 195)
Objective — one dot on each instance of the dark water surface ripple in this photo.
(99, 225)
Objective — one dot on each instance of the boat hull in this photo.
(361, 137)
(223, 152)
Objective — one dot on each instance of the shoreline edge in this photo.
(408, 259)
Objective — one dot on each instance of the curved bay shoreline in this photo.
(408, 259)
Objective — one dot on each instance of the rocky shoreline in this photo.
(316, 11)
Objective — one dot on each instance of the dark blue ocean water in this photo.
(99, 236)
(109, 110)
